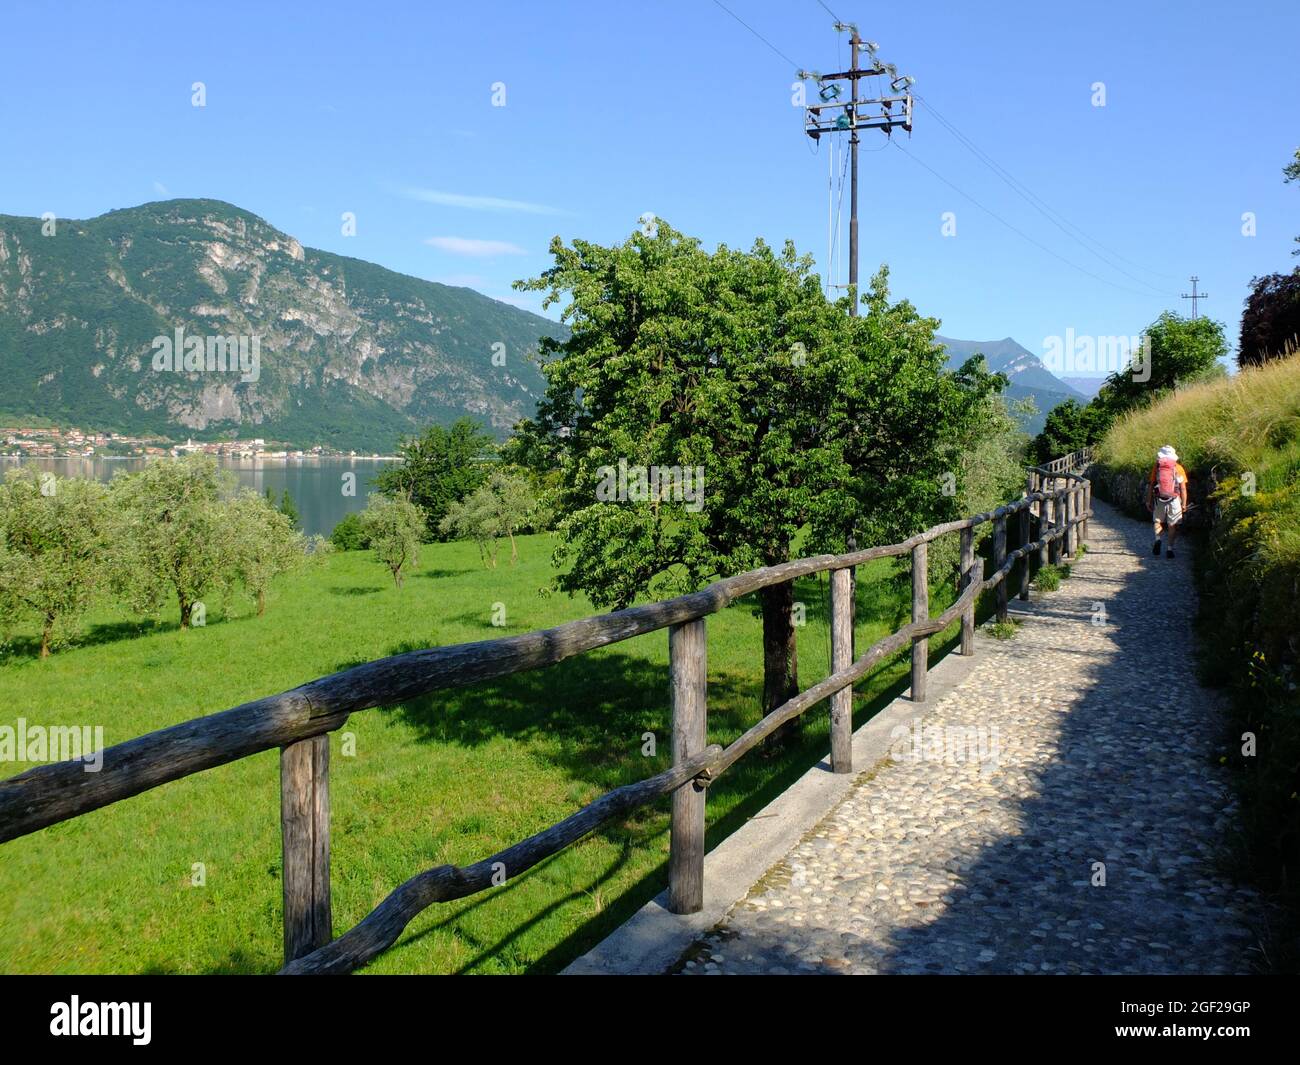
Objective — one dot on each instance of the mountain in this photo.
(1030, 379)
(348, 354)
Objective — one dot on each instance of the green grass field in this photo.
(448, 778)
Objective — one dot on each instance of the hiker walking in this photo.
(1166, 498)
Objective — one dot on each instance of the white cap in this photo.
(1167, 452)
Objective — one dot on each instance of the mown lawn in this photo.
(448, 778)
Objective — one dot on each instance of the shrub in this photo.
(1048, 579)
(1003, 630)
(350, 534)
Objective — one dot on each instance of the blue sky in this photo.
(613, 110)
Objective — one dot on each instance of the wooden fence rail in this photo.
(298, 721)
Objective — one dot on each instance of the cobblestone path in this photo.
(1097, 746)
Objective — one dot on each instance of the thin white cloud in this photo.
(160, 188)
(480, 249)
(476, 203)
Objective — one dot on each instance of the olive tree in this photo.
(264, 544)
(395, 527)
(52, 540)
(171, 535)
(499, 507)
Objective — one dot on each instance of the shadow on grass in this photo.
(437, 574)
(29, 646)
(586, 715)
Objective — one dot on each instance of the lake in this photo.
(316, 484)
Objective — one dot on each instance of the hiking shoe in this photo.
(1169, 553)
(1155, 549)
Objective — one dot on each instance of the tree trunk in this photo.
(780, 657)
(46, 633)
(186, 609)
(514, 551)
(261, 602)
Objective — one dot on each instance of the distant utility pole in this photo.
(854, 114)
(1194, 296)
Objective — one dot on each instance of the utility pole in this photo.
(854, 114)
(1195, 295)
(854, 41)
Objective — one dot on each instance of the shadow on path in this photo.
(1092, 840)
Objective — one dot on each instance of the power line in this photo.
(1040, 205)
(1020, 233)
(757, 34)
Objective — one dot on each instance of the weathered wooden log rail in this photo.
(298, 721)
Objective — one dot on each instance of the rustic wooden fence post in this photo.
(1045, 519)
(920, 612)
(967, 576)
(852, 545)
(305, 841)
(1024, 559)
(999, 560)
(1033, 511)
(1054, 527)
(1070, 533)
(841, 658)
(1087, 507)
(688, 666)
(1062, 525)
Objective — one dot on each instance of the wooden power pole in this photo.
(831, 115)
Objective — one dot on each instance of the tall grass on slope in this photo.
(1247, 422)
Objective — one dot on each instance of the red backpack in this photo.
(1166, 478)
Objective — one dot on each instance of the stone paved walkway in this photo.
(1098, 746)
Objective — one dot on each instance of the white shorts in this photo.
(1170, 511)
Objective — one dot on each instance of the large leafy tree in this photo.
(441, 466)
(52, 539)
(802, 419)
(1270, 323)
(1069, 426)
(1183, 350)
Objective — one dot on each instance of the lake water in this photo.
(316, 484)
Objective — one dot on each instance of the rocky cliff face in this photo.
(348, 353)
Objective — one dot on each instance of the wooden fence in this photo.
(1053, 511)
